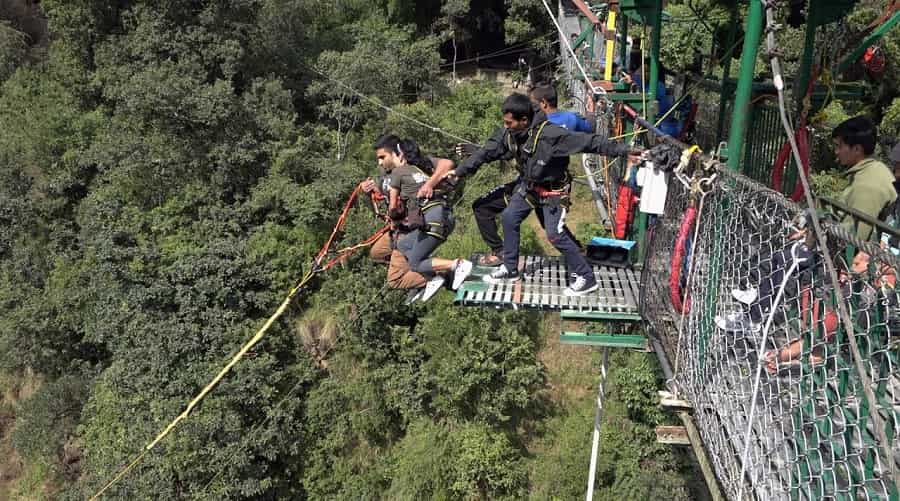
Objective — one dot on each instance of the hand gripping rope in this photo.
(316, 268)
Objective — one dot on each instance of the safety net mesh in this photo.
(781, 407)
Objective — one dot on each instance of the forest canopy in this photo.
(168, 170)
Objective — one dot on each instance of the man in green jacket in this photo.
(871, 189)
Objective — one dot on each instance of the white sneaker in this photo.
(501, 275)
(431, 287)
(462, 271)
(580, 287)
(737, 321)
(747, 296)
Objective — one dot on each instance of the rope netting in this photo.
(762, 353)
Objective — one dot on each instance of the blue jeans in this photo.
(517, 211)
(418, 245)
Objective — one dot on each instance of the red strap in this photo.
(624, 212)
(675, 293)
(780, 165)
(344, 253)
(545, 193)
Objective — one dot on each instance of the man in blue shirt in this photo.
(545, 97)
(670, 125)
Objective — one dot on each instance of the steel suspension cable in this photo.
(596, 91)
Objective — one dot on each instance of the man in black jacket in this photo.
(542, 151)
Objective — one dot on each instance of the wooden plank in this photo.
(617, 295)
(674, 435)
(634, 282)
(562, 276)
(496, 294)
(621, 298)
(559, 278)
(480, 295)
(601, 302)
(559, 285)
(622, 294)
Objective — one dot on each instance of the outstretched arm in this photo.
(578, 142)
(494, 149)
(441, 167)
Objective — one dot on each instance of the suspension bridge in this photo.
(805, 403)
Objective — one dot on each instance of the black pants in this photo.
(551, 215)
(768, 285)
(490, 205)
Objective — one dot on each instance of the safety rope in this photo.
(701, 185)
(795, 263)
(358, 314)
(681, 304)
(315, 269)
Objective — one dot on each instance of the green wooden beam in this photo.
(632, 341)
(594, 316)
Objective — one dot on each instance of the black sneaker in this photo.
(582, 286)
(501, 275)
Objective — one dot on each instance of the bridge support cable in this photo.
(598, 420)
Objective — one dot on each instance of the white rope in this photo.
(760, 358)
(565, 40)
(689, 279)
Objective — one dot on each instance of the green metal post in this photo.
(726, 72)
(585, 33)
(592, 49)
(654, 60)
(739, 114)
(872, 38)
(623, 46)
(803, 74)
(650, 114)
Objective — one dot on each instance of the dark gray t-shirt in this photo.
(408, 179)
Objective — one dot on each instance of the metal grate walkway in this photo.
(543, 280)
